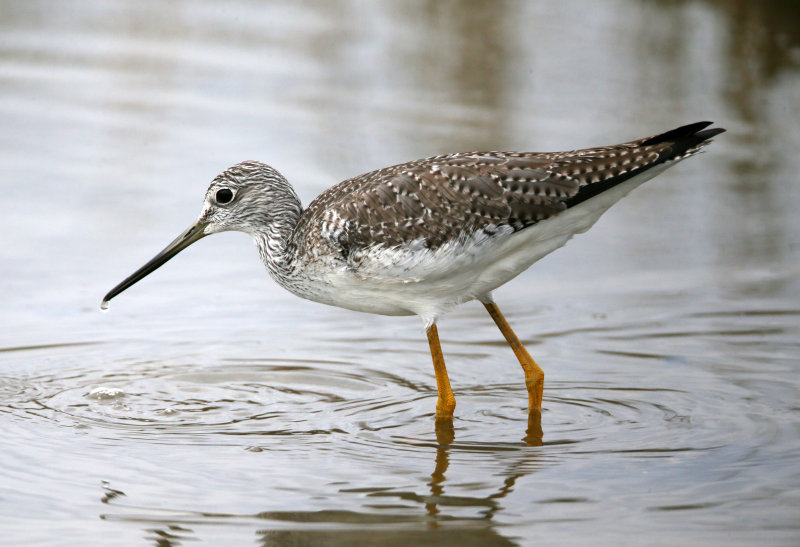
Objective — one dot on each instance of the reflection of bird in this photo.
(424, 236)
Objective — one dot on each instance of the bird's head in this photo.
(248, 197)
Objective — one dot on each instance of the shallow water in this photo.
(210, 405)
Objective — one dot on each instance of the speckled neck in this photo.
(274, 237)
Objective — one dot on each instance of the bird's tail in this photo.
(683, 141)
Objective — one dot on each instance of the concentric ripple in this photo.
(244, 402)
(351, 441)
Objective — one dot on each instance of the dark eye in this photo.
(224, 195)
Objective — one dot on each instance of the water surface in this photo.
(210, 405)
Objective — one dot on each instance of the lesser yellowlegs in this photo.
(424, 236)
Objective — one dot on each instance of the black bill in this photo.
(195, 232)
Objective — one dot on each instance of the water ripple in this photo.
(637, 398)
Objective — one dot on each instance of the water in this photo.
(210, 405)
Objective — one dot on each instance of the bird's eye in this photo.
(224, 196)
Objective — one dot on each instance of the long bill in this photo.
(195, 232)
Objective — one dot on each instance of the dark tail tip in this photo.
(693, 131)
(708, 133)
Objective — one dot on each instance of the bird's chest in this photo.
(333, 277)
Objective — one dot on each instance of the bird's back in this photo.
(452, 198)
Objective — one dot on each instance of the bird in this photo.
(422, 237)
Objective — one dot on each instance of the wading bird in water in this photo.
(424, 236)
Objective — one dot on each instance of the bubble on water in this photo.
(103, 393)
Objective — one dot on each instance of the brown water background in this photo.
(210, 405)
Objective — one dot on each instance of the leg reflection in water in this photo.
(445, 436)
(533, 435)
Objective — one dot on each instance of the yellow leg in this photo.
(534, 376)
(446, 402)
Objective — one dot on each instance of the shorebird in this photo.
(422, 237)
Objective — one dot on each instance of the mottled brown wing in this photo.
(449, 197)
